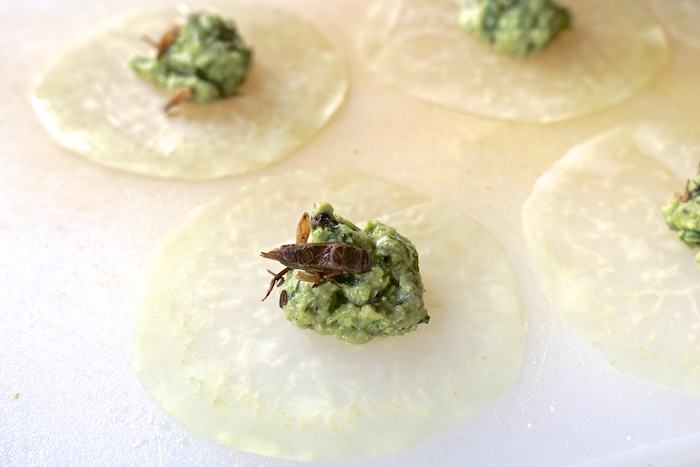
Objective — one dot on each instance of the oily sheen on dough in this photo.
(95, 106)
(231, 368)
(606, 257)
(614, 49)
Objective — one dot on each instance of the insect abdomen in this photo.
(322, 257)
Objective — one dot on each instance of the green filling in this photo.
(207, 55)
(515, 27)
(385, 301)
(682, 213)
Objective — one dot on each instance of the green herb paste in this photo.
(515, 27)
(207, 55)
(385, 301)
(682, 213)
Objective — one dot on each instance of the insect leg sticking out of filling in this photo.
(316, 262)
(162, 47)
(202, 58)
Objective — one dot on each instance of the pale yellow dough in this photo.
(94, 105)
(681, 17)
(614, 49)
(231, 368)
(608, 260)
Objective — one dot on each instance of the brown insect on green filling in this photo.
(316, 262)
(202, 58)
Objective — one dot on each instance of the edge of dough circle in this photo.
(232, 368)
(607, 57)
(610, 264)
(94, 105)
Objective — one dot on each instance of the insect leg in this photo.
(686, 194)
(308, 276)
(167, 39)
(183, 95)
(279, 277)
(317, 277)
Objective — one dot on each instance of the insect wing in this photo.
(303, 229)
(334, 257)
(321, 257)
(354, 259)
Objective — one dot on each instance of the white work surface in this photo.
(76, 240)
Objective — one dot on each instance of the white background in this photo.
(76, 241)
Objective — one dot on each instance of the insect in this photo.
(182, 95)
(316, 262)
(186, 93)
(166, 40)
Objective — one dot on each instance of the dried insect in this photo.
(165, 41)
(162, 48)
(183, 95)
(323, 220)
(303, 228)
(317, 262)
(283, 298)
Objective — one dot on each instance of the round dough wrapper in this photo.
(614, 49)
(231, 368)
(605, 255)
(680, 17)
(94, 105)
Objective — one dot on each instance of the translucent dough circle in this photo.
(608, 260)
(231, 368)
(95, 106)
(614, 49)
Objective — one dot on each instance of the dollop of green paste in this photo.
(207, 55)
(682, 214)
(385, 301)
(515, 27)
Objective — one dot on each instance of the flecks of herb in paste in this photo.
(387, 300)
(202, 60)
(515, 27)
(682, 214)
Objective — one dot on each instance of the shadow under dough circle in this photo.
(231, 368)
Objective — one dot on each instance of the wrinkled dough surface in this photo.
(614, 49)
(230, 367)
(604, 253)
(681, 17)
(94, 105)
